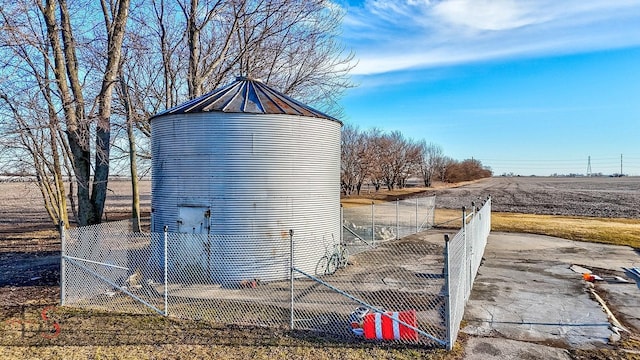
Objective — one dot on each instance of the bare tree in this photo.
(30, 103)
(38, 138)
(376, 151)
(431, 158)
(445, 164)
(115, 19)
(176, 49)
(355, 160)
(363, 168)
(409, 161)
(168, 34)
(348, 158)
(209, 27)
(130, 116)
(398, 158)
(466, 170)
(292, 46)
(66, 69)
(198, 46)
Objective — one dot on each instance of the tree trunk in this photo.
(115, 30)
(193, 78)
(63, 216)
(133, 167)
(135, 200)
(427, 181)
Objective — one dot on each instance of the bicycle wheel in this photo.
(322, 266)
(332, 266)
(344, 257)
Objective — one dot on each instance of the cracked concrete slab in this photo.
(525, 291)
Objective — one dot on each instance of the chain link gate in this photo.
(110, 267)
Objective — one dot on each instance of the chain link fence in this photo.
(463, 255)
(401, 278)
(366, 226)
(395, 289)
(110, 267)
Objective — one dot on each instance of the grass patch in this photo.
(612, 231)
(183, 351)
(600, 230)
(382, 196)
(102, 335)
(366, 197)
(448, 218)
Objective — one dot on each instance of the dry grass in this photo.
(241, 352)
(448, 218)
(600, 230)
(611, 231)
(96, 335)
(383, 195)
(628, 349)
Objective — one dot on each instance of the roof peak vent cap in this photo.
(248, 78)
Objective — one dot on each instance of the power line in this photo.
(595, 165)
(560, 160)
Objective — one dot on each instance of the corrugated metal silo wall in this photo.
(260, 175)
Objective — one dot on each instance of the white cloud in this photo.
(390, 35)
(490, 14)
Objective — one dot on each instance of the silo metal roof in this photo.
(246, 95)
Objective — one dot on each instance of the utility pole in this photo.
(620, 164)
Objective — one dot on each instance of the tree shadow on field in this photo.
(19, 269)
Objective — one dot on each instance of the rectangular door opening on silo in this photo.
(194, 258)
(193, 220)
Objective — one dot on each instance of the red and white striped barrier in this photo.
(391, 327)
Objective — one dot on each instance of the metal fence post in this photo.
(447, 286)
(373, 224)
(466, 267)
(63, 266)
(341, 224)
(474, 230)
(397, 221)
(433, 211)
(166, 272)
(416, 216)
(291, 270)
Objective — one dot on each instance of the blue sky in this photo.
(529, 87)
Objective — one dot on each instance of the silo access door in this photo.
(194, 247)
(193, 220)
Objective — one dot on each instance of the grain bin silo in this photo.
(248, 163)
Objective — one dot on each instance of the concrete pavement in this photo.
(527, 303)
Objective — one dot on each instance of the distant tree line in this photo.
(389, 159)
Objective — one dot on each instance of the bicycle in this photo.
(330, 262)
